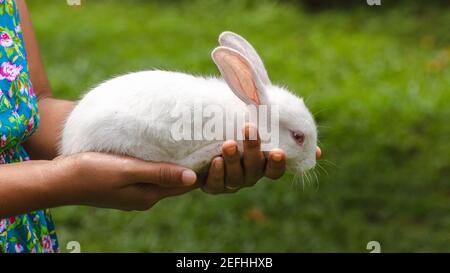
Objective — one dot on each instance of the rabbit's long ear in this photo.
(240, 75)
(237, 42)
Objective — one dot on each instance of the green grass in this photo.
(377, 79)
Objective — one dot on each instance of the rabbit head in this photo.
(243, 70)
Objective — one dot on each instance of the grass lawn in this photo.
(377, 79)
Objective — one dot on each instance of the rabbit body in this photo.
(133, 115)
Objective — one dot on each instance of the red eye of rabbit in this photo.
(298, 136)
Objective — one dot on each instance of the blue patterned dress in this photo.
(19, 119)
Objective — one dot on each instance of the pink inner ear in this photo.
(238, 73)
(245, 78)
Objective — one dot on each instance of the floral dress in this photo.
(19, 118)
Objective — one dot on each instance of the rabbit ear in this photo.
(237, 42)
(240, 75)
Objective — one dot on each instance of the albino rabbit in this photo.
(133, 114)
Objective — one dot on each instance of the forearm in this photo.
(53, 113)
(33, 185)
(43, 144)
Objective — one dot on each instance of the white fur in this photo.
(131, 115)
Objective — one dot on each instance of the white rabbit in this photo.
(133, 114)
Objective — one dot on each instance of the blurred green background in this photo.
(376, 78)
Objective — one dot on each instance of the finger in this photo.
(318, 152)
(143, 196)
(276, 164)
(139, 196)
(233, 169)
(168, 192)
(253, 157)
(216, 177)
(162, 174)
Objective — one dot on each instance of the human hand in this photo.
(229, 173)
(120, 182)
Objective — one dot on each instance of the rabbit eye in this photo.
(299, 137)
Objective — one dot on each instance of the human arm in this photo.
(94, 179)
(43, 144)
(230, 170)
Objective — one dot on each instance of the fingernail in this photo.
(318, 152)
(277, 157)
(231, 150)
(188, 177)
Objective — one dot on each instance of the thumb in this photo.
(163, 174)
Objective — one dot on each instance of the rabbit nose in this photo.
(318, 152)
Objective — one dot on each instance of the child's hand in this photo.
(121, 182)
(229, 173)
